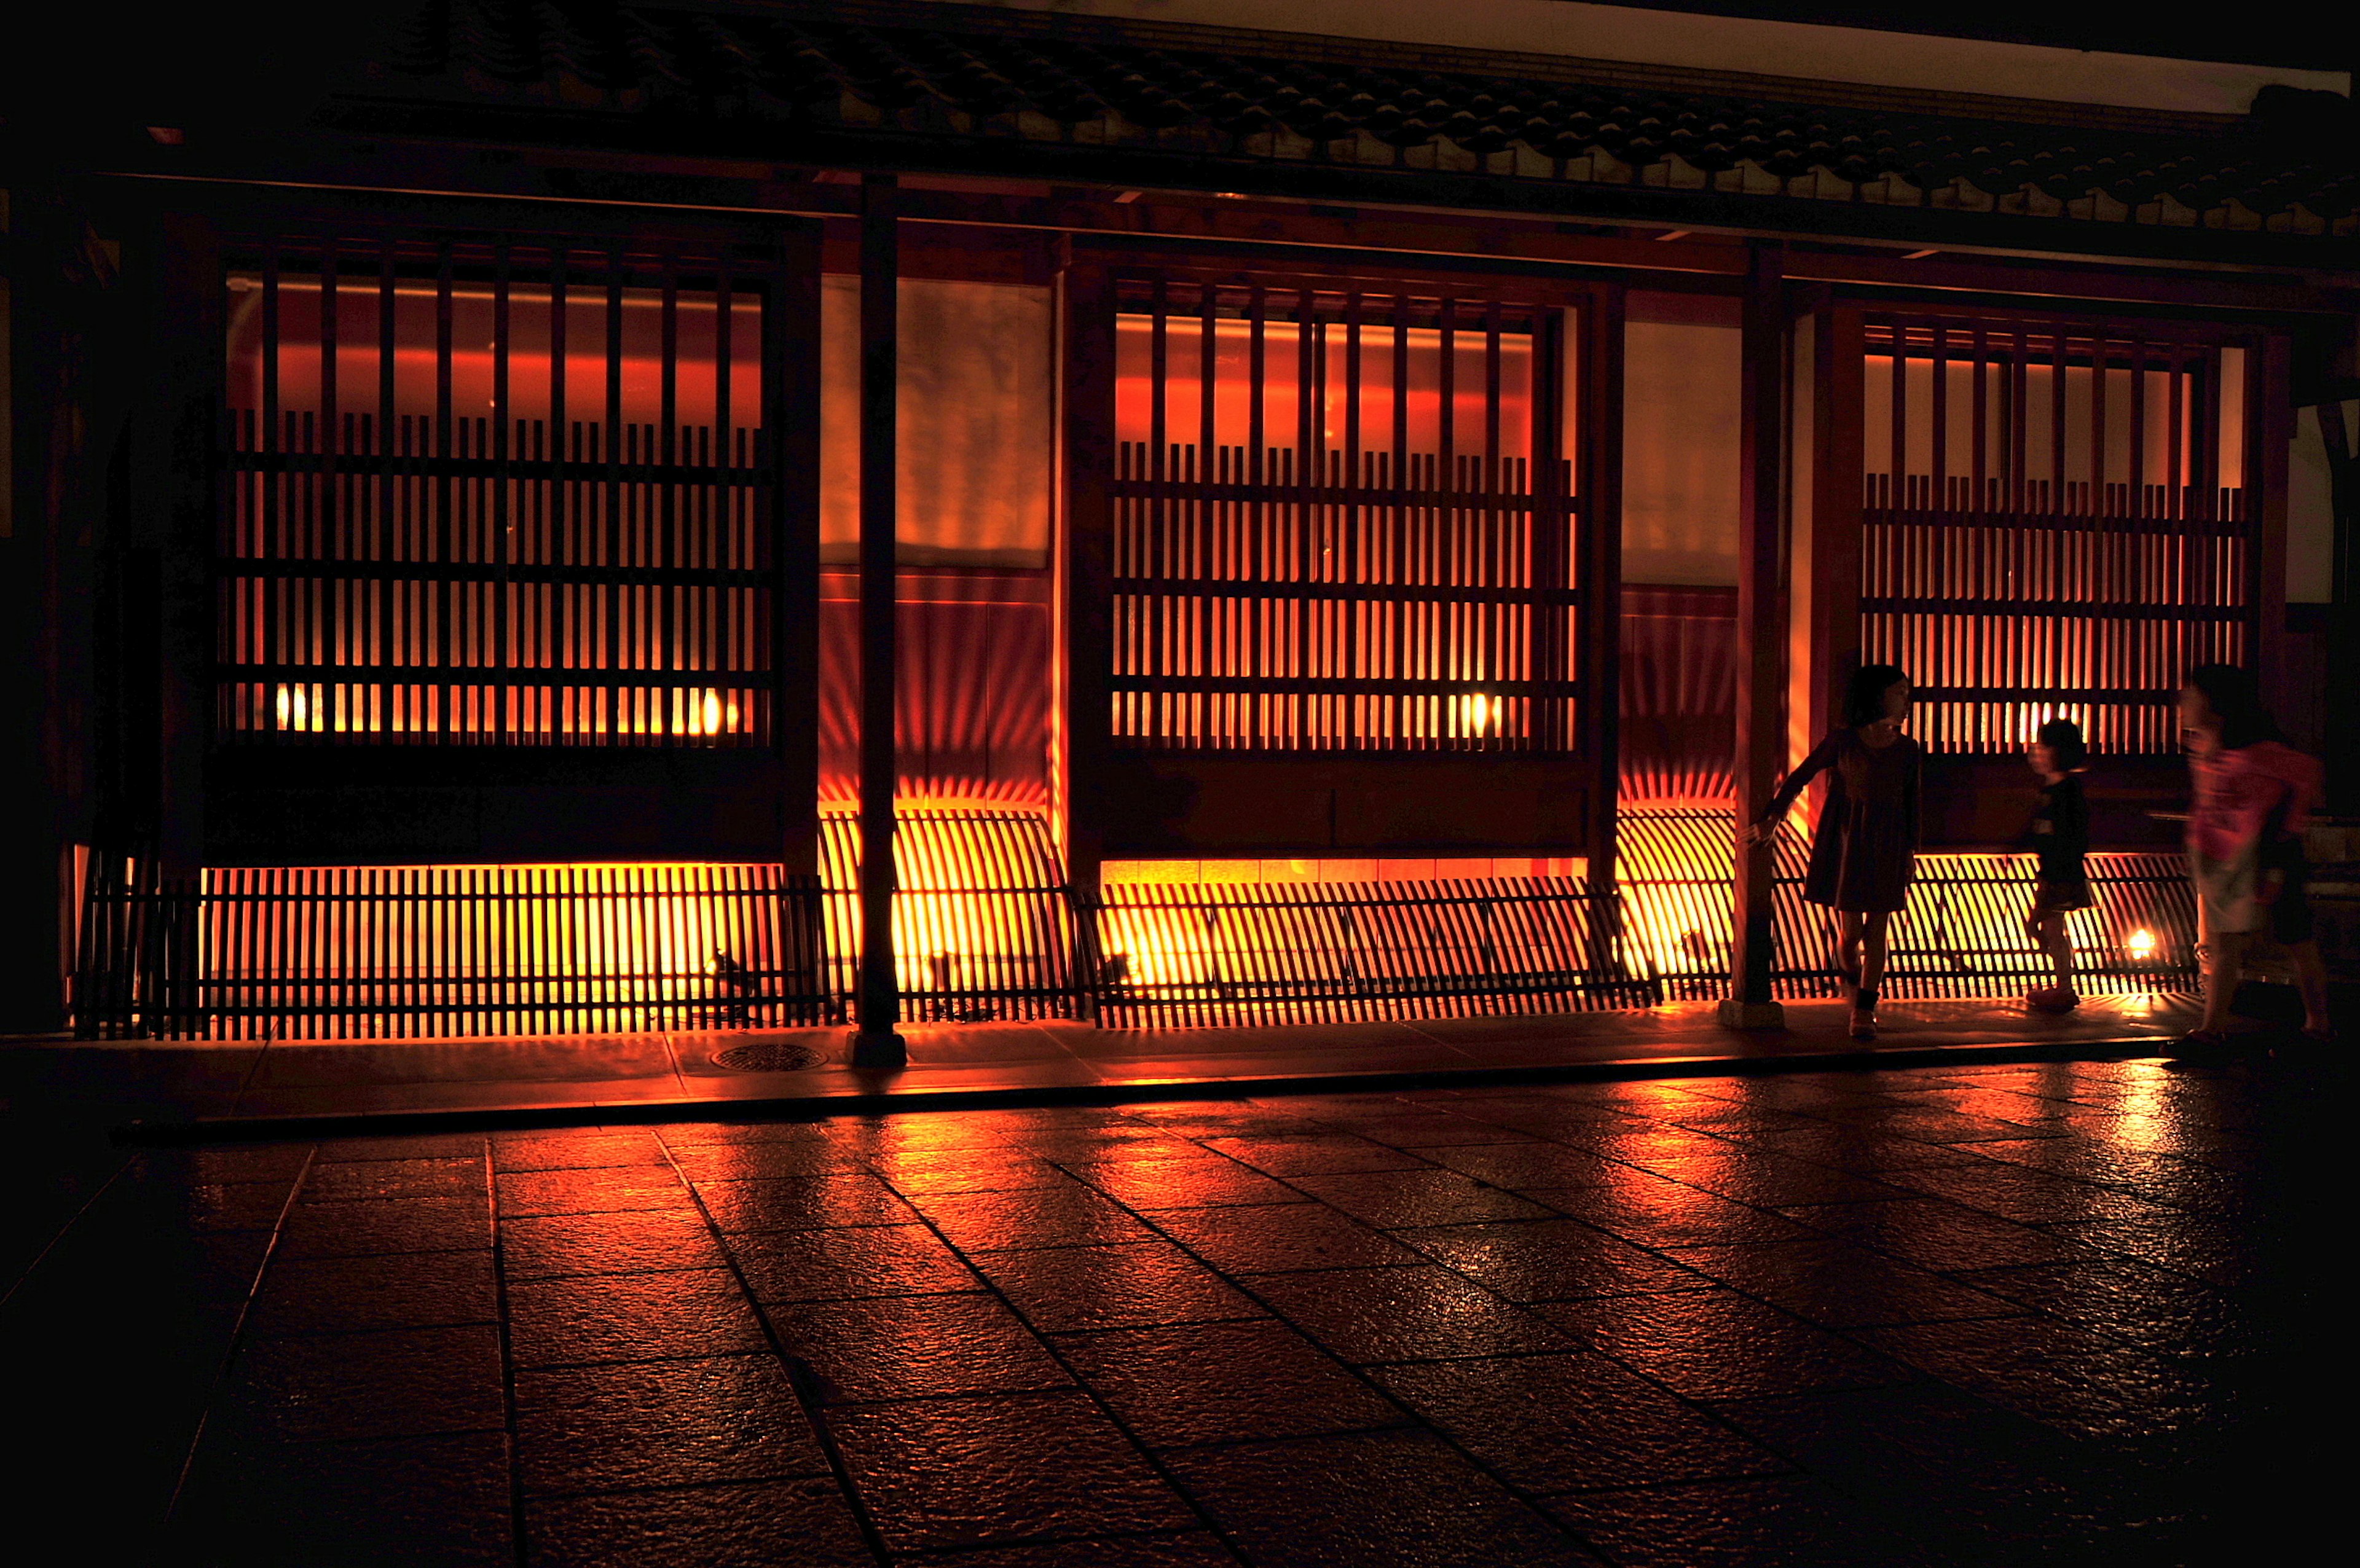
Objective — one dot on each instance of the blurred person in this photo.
(1864, 853)
(2252, 795)
(2059, 835)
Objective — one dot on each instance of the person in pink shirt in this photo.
(2252, 799)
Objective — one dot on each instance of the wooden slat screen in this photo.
(2055, 526)
(1342, 521)
(434, 952)
(1214, 954)
(1961, 933)
(983, 921)
(495, 494)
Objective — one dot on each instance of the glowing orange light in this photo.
(297, 712)
(1480, 712)
(2141, 944)
(704, 714)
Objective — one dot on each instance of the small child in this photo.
(2253, 799)
(2059, 835)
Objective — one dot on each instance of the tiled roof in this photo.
(955, 75)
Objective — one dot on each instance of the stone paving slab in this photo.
(1972, 1312)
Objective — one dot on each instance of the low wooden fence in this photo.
(988, 929)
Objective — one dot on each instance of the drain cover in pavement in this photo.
(767, 1056)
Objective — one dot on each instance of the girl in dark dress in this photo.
(2059, 835)
(1865, 851)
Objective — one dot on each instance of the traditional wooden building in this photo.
(1303, 510)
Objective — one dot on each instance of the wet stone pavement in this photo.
(2046, 1314)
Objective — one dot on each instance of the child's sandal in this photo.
(2202, 1045)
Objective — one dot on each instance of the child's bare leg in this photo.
(1872, 958)
(1848, 946)
(2311, 976)
(2222, 962)
(2049, 932)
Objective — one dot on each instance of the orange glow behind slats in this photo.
(459, 513)
(2045, 539)
(1330, 532)
(1961, 933)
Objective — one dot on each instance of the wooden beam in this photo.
(1760, 635)
(432, 173)
(876, 1044)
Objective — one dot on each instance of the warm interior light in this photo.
(296, 711)
(2141, 944)
(703, 715)
(424, 951)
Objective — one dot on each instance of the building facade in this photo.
(1287, 521)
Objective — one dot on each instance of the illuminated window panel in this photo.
(494, 496)
(1342, 522)
(2057, 524)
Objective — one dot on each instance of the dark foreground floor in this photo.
(2050, 1314)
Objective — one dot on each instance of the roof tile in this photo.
(1099, 90)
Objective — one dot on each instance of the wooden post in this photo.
(2343, 747)
(792, 390)
(2269, 441)
(1838, 459)
(1599, 492)
(1085, 608)
(178, 458)
(791, 371)
(1760, 635)
(875, 1043)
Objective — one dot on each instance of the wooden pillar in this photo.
(876, 1044)
(1598, 488)
(45, 637)
(178, 460)
(1761, 634)
(2343, 747)
(1839, 460)
(791, 348)
(1085, 603)
(2269, 442)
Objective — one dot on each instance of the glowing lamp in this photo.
(295, 712)
(2141, 944)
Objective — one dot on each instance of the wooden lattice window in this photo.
(2056, 523)
(495, 494)
(1342, 521)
